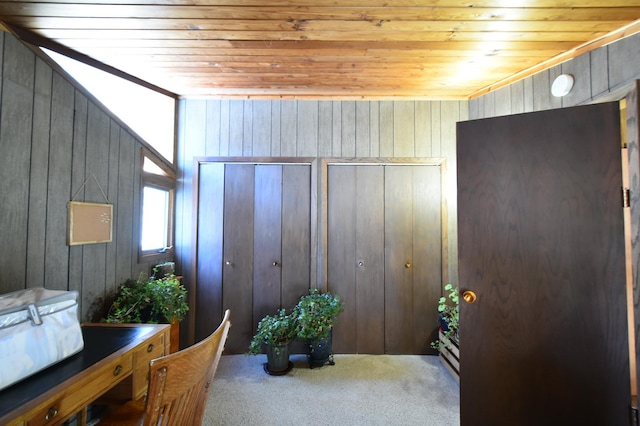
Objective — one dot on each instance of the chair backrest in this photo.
(179, 382)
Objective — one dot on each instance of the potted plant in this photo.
(274, 334)
(448, 341)
(316, 313)
(152, 300)
(449, 314)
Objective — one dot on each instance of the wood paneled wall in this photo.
(53, 137)
(604, 73)
(317, 129)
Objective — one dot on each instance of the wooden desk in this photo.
(115, 357)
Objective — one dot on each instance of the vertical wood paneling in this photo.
(78, 177)
(517, 97)
(403, 129)
(52, 137)
(503, 100)
(579, 69)
(236, 128)
(15, 134)
(363, 137)
(307, 124)
(238, 253)
(59, 188)
(268, 262)
(112, 193)
(93, 256)
(123, 207)
(212, 131)
(208, 280)
(374, 129)
(39, 170)
(325, 111)
(336, 129)
(599, 71)
(624, 61)
(193, 129)
(225, 132)
(262, 129)
(386, 129)
(247, 128)
(348, 117)
(276, 129)
(436, 129)
(289, 129)
(423, 129)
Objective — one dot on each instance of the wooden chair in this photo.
(178, 385)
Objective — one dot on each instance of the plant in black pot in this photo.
(316, 313)
(274, 334)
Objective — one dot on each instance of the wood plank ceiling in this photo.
(325, 49)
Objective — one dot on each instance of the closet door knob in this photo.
(275, 263)
(407, 265)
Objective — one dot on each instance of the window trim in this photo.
(167, 183)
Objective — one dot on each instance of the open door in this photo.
(541, 244)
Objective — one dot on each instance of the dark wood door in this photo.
(385, 255)
(541, 243)
(253, 244)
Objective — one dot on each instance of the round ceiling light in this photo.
(562, 85)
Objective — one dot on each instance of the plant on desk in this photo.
(152, 300)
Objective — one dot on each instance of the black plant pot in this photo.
(319, 352)
(277, 359)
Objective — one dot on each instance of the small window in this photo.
(155, 217)
(157, 201)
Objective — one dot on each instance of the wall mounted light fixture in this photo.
(562, 85)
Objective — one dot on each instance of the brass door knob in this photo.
(469, 296)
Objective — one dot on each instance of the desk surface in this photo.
(99, 343)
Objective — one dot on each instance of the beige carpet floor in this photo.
(357, 390)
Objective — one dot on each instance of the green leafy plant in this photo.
(273, 330)
(449, 313)
(316, 313)
(154, 300)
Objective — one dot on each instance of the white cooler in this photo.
(38, 328)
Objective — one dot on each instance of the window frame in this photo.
(165, 182)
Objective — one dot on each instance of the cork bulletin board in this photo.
(89, 223)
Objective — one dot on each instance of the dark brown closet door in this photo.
(238, 253)
(267, 240)
(254, 244)
(356, 255)
(413, 257)
(296, 233)
(384, 255)
(541, 243)
(208, 307)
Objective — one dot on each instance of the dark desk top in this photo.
(99, 343)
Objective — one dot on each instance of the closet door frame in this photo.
(323, 205)
(193, 268)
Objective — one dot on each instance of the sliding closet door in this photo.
(253, 244)
(237, 253)
(384, 239)
(413, 257)
(355, 238)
